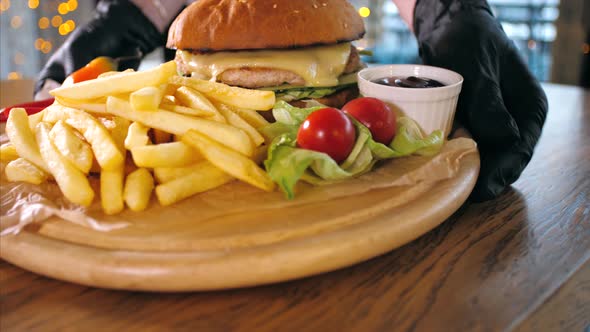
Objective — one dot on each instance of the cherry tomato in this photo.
(375, 115)
(94, 68)
(328, 130)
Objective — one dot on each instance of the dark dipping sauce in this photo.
(413, 82)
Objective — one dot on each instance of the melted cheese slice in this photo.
(319, 66)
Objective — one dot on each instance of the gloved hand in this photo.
(501, 103)
(118, 29)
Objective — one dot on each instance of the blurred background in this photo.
(552, 35)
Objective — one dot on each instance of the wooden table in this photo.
(520, 262)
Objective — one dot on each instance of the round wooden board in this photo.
(269, 246)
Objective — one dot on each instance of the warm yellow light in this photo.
(4, 5)
(38, 43)
(71, 25)
(43, 23)
(62, 8)
(364, 12)
(19, 58)
(56, 21)
(585, 48)
(14, 75)
(72, 5)
(16, 22)
(63, 29)
(33, 4)
(46, 47)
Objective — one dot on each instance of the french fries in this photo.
(175, 154)
(236, 121)
(71, 146)
(234, 96)
(35, 119)
(146, 99)
(137, 135)
(105, 150)
(111, 190)
(252, 117)
(199, 103)
(229, 161)
(167, 174)
(8, 152)
(138, 189)
(177, 124)
(71, 181)
(112, 180)
(20, 135)
(184, 136)
(184, 110)
(204, 176)
(22, 170)
(117, 84)
(91, 106)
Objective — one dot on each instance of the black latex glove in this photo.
(118, 29)
(501, 103)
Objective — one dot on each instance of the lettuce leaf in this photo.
(290, 92)
(287, 164)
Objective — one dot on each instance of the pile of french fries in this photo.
(140, 132)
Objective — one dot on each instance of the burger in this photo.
(298, 49)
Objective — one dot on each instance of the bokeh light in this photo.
(46, 47)
(14, 75)
(38, 43)
(71, 25)
(43, 23)
(16, 22)
(63, 8)
(72, 5)
(364, 12)
(56, 21)
(63, 29)
(33, 4)
(586, 48)
(19, 58)
(4, 5)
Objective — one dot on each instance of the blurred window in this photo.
(530, 23)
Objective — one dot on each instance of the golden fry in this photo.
(252, 117)
(174, 154)
(138, 189)
(178, 124)
(137, 135)
(204, 177)
(8, 152)
(111, 190)
(71, 181)
(236, 121)
(146, 99)
(195, 100)
(20, 135)
(117, 84)
(71, 146)
(234, 96)
(229, 161)
(112, 180)
(105, 150)
(22, 170)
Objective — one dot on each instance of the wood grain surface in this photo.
(519, 262)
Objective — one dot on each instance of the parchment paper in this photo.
(22, 204)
